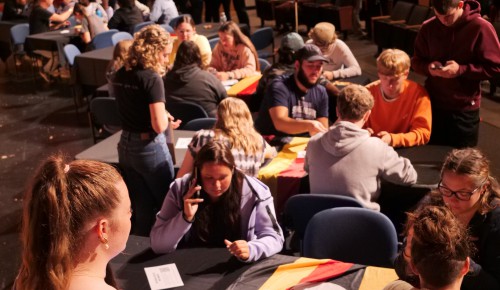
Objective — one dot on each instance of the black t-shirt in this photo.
(39, 20)
(13, 11)
(135, 90)
(124, 19)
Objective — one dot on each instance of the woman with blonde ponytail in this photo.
(76, 218)
(234, 126)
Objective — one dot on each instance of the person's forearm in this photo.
(292, 126)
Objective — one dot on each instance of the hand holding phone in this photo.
(192, 199)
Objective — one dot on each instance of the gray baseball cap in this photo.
(292, 41)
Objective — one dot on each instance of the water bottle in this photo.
(98, 13)
(223, 18)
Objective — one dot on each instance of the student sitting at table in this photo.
(341, 62)
(96, 9)
(39, 22)
(347, 161)
(217, 205)
(188, 82)
(90, 26)
(296, 104)
(437, 250)
(234, 127)
(126, 17)
(185, 29)
(76, 218)
(402, 115)
(472, 194)
(234, 57)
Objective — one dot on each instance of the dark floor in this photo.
(37, 120)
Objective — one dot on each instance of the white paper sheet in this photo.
(163, 277)
(182, 143)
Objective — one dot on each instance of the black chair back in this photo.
(356, 235)
(186, 111)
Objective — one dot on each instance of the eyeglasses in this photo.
(461, 195)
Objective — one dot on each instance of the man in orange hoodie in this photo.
(401, 116)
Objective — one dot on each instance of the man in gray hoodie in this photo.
(347, 161)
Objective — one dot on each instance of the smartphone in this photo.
(437, 67)
(195, 176)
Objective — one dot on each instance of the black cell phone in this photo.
(437, 67)
(195, 176)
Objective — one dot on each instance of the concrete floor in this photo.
(37, 120)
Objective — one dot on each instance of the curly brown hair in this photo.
(149, 42)
(440, 245)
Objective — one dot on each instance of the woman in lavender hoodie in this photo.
(218, 206)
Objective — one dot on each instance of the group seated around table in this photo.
(341, 62)
(234, 127)
(188, 82)
(217, 205)
(402, 115)
(346, 160)
(437, 249)
(473, 196)
(40, 20)
(296, 104)
(234, 57)
(185, 29)
(76, 218)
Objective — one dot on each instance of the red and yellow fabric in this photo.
(306, 270)
(283, 174)
(245, 88)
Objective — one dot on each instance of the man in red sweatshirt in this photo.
(456, 49)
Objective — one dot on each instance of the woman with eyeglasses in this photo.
(473, 196)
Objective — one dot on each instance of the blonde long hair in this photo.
(148, 43)
(62, 199)
(234, 121)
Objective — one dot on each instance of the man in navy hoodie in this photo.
(456, 49)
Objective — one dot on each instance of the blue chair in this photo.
(173, 21)
(119, 36)
(213, 42)
(103, 39)
(198, 124)
(18, 34)
(263, 64)
(356, 235)
(186, 111)
(70, 52)
(262, 38)
(141, 25)
(300, 208)
(167, 28)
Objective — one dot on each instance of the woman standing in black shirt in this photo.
(142, 150)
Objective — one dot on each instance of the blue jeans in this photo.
(147, 168)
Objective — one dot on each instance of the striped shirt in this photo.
(249, 164)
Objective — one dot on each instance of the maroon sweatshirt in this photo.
(472, 43)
